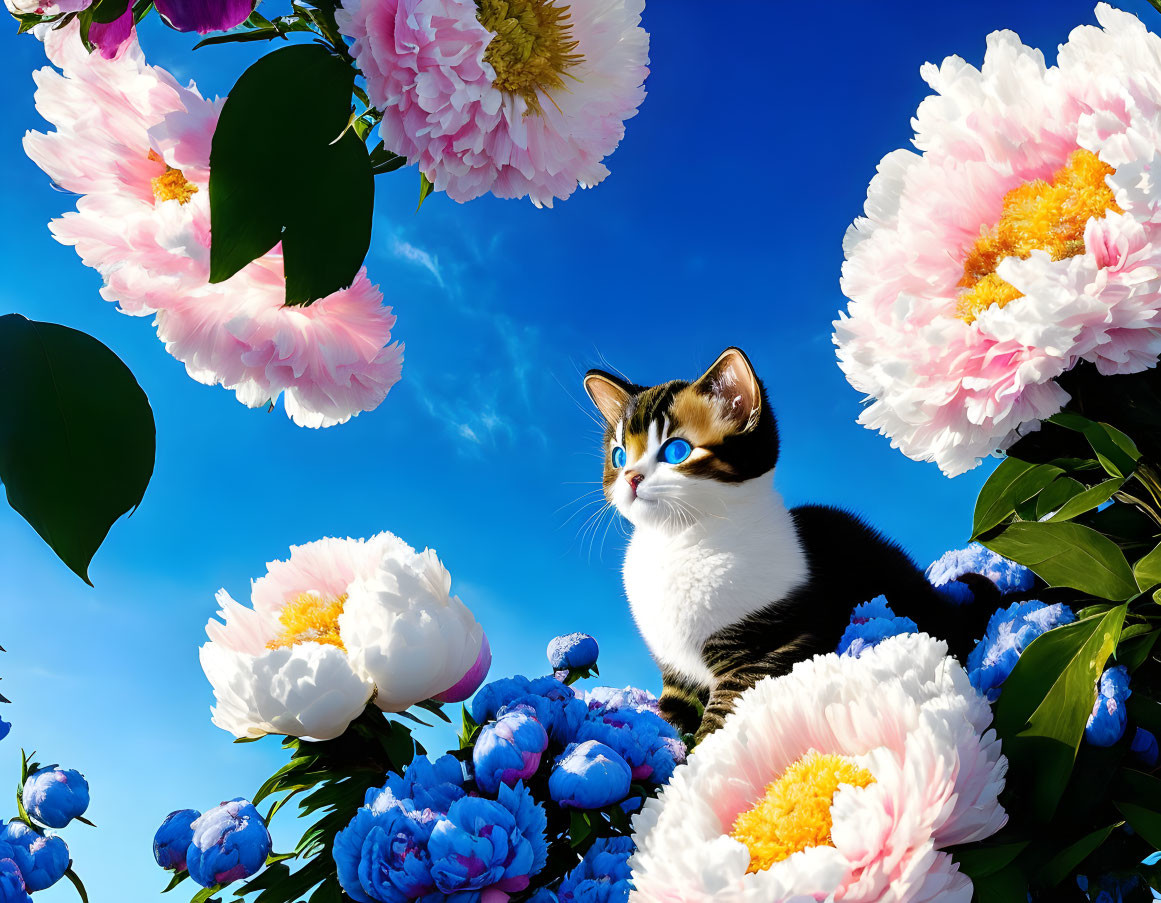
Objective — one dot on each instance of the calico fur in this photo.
(725, 583)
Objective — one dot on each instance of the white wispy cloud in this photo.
(405, 250)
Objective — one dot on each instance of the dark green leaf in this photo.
(1061, 865)
(1012, 483)
(279, 171)
(1134, 651)
(1068, 554)
(1045, 703)
(1092, 497)
(241, 37)
(106, 11)
(1144, 821)
(77, 437)
(978, 861)
(383, 160)
(425, 188)
(178, 878)
(77, 883)
(1005, 886)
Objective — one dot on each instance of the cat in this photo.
(725, 583)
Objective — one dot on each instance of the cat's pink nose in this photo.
(634, 479)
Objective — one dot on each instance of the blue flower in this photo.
(1009, 632)
(557, 706)
(871, 623)
(572, 651)
(485, 844)
(5, 727)
(543, 895)
(382, 856)
(589, 775)
(12, 888)
(42, 859)
(230, 842)
(492, 697)
(602, 876)
(1111, 888)
(55, 796)
(172, 840)
(508, 750)
(1145, 747)
(1106, 724)
(1008, 576)
(643, 739)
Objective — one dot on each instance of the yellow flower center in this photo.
(171, 185)
(532, 48)
(795, 812)
(1038, 215)
(310, 618)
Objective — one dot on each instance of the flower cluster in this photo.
(135, 145)
(1022, 240)
(32, 859)
(522, 98)
(228, 843)
(424, 834)
(342, 623)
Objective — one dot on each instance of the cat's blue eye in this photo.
(618, 457)
(675, 451)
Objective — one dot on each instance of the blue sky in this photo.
(721, 224)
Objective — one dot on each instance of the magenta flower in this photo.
(204, 16)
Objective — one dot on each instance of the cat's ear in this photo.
(732, 381)
(609, 393)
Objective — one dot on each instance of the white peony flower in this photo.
(341, 623)
(843, 780)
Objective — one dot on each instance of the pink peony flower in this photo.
(1024, 238)
(846, 779)
(136, 145)
(517, 97)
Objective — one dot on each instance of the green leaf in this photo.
(77, 437)
(284, 167)
(1083, 502)
(1005, 886)
(1115, 451)
(1068, 554)
(1060, 865)
(1053, 496)
(205, 893)
(425, 188)
(178, 878)
(1046, 701)
(1148, 569)
(1144, 821)
(579, 828)
(1011, 484)
(1134, 651)
(979, 860)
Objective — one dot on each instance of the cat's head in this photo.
(674, 453)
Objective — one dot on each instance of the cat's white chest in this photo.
(685, 587)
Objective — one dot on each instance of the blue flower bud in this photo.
(55, 796)
(1009, 632)
(5, 727)
(492, 697)
(871, 623)
(572, 651)
(12, 888)
(589, 775)
(172, 840)
(42, 858)
(1106, 724)
(603, 875)
(230, 842)
(1008, 576)
(508, 750)
(1145, 747)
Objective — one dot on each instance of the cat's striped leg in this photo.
(682, 703)
(726, 690)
